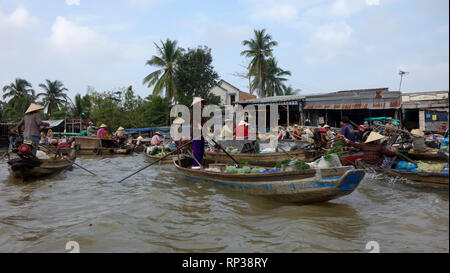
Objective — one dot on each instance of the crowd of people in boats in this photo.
(379, 143)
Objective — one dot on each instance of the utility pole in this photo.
(401, 73)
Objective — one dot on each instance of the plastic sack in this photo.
(41, 155)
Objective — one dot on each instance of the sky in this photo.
(327, 45)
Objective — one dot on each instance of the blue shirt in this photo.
(348, 132)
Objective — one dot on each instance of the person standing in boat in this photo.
(91, 131)
(347, 129)
(373, 150)
(32, 122)
(102, 131)
(156, 141)
(242, 130)
(198, 145)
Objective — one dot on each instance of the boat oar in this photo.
(193, 157)
(71, 161)
(145, 167)
(291, 156)
(237, 163)
(405, 157)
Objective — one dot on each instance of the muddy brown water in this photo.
(157, 211)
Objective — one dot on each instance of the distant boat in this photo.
(307, 186)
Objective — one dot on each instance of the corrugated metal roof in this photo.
(274, 100)
(424, 104)
(53, 123)
(356, 99)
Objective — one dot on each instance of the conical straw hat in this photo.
(196, 100)
(120, 128)
(374, 136)
(417, 132)
(178, 120)
(103, 126)
(33, 107)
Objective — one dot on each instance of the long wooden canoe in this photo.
(167, 160)
(262, 159)
(421, 177)
(85, 145)
(307, 186)
(31, 168)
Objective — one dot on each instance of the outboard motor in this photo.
(25, 149)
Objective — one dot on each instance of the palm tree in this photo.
(166, 60)
(291, 91)
(260, 47)
(54, 96)
(275, 82)
(18, 88)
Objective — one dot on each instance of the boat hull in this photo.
(25, 169)
(262, 159)
(439, 179)
(305, 187)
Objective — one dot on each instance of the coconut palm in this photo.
(291, 91)
(18, 88)
(274, 82)
(54, 96)
(259, 48)
(166, 60)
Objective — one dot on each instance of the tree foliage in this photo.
(195, 76)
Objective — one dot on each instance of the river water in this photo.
(157, 211)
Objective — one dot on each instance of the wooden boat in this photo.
(25, 168)
(421, 177)
(262, 159)
(85, 145)
(167, 160)
(428, 156)
(307, 186)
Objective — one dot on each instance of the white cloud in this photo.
(67, 35)
(277, 12)
(19, 18)
(73, 2)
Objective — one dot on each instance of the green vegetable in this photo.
(231, 169)
(257, 170)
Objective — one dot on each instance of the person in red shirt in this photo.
(242, 130)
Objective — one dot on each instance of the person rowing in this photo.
(375, 153)
(32, 122)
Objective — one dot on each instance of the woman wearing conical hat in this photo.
(373, 149)
(198, 145)
(32, 122)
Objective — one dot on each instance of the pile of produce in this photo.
(231, 149)
(429, 168)
(245, 169)
(292, 165)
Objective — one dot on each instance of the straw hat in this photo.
(90, 123)
(242, 122)
(158, 133)
(120, 128)
(326, 126)
(103, 126)
(374, 136)
(417, 132)
(178, 120)
(197, 100)
(33, 107)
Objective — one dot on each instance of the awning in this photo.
(376, 100)
(53, 123)
(149, 129)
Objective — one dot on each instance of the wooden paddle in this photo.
(145, 167)
(71, 161)
(291, 156)
(237, 163)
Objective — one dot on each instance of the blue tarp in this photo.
(140, 129)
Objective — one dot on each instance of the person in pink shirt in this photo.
(156, 141)
(102, 131)
(242, 130)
